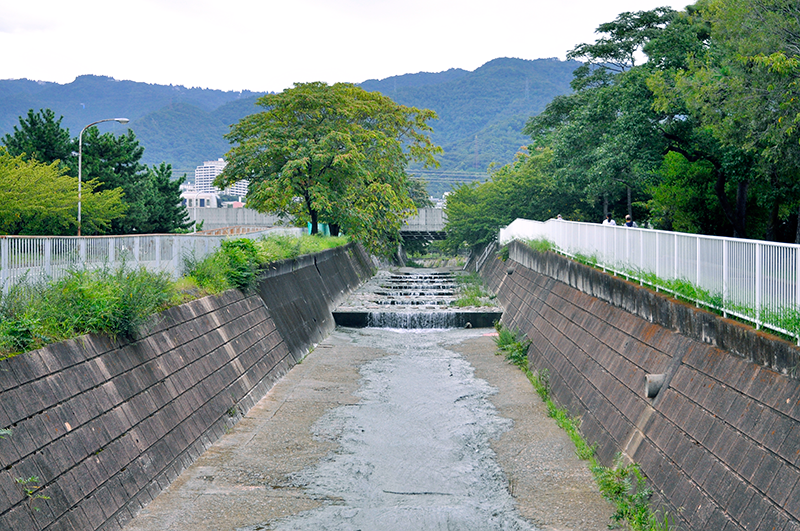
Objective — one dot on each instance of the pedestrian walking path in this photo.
(389, 430)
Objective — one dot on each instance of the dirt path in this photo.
(346, 441)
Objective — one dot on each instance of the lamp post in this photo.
(80, 159)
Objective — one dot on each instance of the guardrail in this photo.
(36, 258)
(756, 281)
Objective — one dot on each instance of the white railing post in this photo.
(136, 247)
(4, 276)
(157, 243)
(176, 252)
(658, 260)
(697, 271)
(675, 269)
(797, 282)
(726, 277)
(614, 231)
(641, 257)
(82, 251)
(758, 286)
(112, 248)
(48, 266)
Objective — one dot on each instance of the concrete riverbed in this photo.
(382, 429)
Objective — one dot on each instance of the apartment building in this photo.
(204, 179)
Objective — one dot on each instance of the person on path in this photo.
(609, 220)
(629, 222)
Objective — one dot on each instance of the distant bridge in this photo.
(427, 225)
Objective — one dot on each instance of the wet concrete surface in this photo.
(385, 429)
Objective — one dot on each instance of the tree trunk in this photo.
(605, 206)
(314, 221)
(735, 217)
(630, 204)
(740, 229)
(334, 229)
(797, 233)
(772, 228)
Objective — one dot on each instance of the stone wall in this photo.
(106, 426)
(720, 443)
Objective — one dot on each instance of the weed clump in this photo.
(116, 302)
(471, 291)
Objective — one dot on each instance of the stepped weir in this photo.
(412, 298)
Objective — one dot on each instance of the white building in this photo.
(204, 179)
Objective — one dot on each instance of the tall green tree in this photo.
(602, 135)
(41, 199)
(744, 90)
(334, 154)
(39, 136)
(523, 189)
(151, 199)
(154, 203)
(160, 196)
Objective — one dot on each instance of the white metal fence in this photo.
(36, 258)
(753, 280)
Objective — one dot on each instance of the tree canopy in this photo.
(150, 199)
(687, 120)
(38, 198)
(335, 154)
(40, 137)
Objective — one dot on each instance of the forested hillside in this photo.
(481, 113)
(178, 125)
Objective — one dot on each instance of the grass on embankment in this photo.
(118, 302)
(623, 485)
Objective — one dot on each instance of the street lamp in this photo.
(80, 159)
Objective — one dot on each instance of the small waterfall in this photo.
(412, 299)
(415, 320)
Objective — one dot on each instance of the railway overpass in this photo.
(427, 225)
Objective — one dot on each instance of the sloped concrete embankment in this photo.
(106, 426)
(720, 443)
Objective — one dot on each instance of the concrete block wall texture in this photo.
(302, 293)
(720, 443)
(106, 426)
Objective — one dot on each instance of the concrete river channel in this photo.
(403, 420)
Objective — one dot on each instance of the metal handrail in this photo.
(752, 280)
(37, 258)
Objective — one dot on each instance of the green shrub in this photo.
(212, 274)
(243, 263)
(503, 253)
(513, 345)
(101, 301)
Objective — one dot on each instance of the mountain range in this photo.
(480, 113)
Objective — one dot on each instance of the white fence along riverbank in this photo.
(35, 258)
(753, 280)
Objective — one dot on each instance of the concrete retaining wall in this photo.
(106, 426)
(720, 443)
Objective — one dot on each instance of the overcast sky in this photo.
(267, 45)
